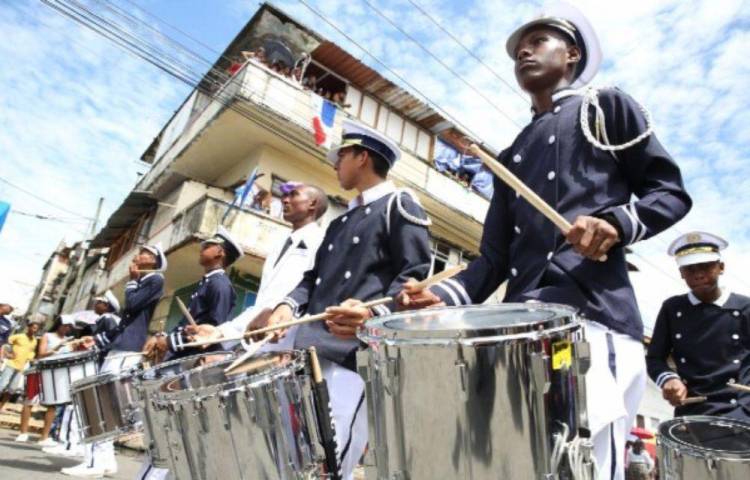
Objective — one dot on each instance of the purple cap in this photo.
(288, 187)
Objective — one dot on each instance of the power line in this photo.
(441, 62)
(39, 216)
(41, 199)
(468, 51)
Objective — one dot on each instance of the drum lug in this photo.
(391, 373)
(463, 378)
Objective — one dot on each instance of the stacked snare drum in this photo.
(481, 392)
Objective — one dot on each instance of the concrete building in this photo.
(259, 117)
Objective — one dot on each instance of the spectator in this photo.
(640, 465)
(23, 349)
(262, 201)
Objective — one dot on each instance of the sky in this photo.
(77, 112)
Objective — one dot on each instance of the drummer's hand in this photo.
(204, 331)
(133, 270)
(592, 237)
(267, 317)
(156, 348)
(346, 318)
(412, 298)
(87, 342)
(674, 391)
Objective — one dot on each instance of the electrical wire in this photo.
(468, 51)
(443, 64)
(43, 200)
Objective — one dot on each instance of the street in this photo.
(21, 461)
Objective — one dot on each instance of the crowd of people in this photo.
(296, 72)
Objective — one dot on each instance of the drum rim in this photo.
(163, 398)
(666, 440)
(66, 358)
(139, 377)
(374, 331)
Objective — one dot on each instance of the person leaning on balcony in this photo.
(124, 343)
(303, 205)
(366, 253)
(706, 332)
(613, 198)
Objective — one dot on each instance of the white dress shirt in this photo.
(279, 278)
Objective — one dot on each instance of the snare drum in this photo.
(107, 406)
(258, 424)
(704, 448)
(159, 432)
(58, 373)
(476, 392)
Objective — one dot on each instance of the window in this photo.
(440, 256)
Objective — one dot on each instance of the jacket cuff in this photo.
(292, 303)
(131, 284)
(664, 377)
(633, 229)
(451, 292)
(381, 310)
(176, 340)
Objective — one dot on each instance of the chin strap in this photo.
(598, 137)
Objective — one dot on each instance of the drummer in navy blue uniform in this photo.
(213, 300)
(573, 167)
(367, 253)
(106, 307)
(706, 332)
(124, 343)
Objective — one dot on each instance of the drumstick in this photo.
(281, 326)
(738, 386)
(323, 410)
(502, 172)
(252, 349)
(439, 277)
(692, 400)
(185, 311)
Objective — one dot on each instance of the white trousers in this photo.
(102, 454)
(150, 472)
(70, 433)
(346, 390)
(615, 384)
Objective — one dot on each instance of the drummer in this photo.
(214, 299)
(124, 342)
(366, 253)
(706, 332)
(23, 350)
(555, 56)
(303, 205)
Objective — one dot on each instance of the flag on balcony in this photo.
(4, 209)
(324, 114)
(241, 194)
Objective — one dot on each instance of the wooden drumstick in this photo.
(282, 326)
(502, 172)
(692, 400)
(439, 277)
(185, 311)
(252, 349)
(738, 386)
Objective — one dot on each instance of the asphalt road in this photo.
(24, 461)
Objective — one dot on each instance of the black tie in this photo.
(286, 246)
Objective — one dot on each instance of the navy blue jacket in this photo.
(710, 346)
(141, 297)
(6, 328)
(105, 327)
(360, 257)
(554, 159)
(211, 303)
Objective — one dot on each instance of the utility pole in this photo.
(85, 243)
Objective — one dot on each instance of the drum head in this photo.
(709, 434)
(469, 321)
(175, 367)
(208, 380)
(66, 358)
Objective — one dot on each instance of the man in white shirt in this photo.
(285, 264)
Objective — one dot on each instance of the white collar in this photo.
(213, 272)
(565, 92)
(719, 302)
(373, 193)
(303, 233)
(149, 275)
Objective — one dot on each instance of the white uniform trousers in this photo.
(70, 434)
(615, 384)
(102, 454)
(346, 390)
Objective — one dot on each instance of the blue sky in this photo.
(77, 112)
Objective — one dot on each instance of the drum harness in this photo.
(579, 453)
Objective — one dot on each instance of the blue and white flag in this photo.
(241, 194)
